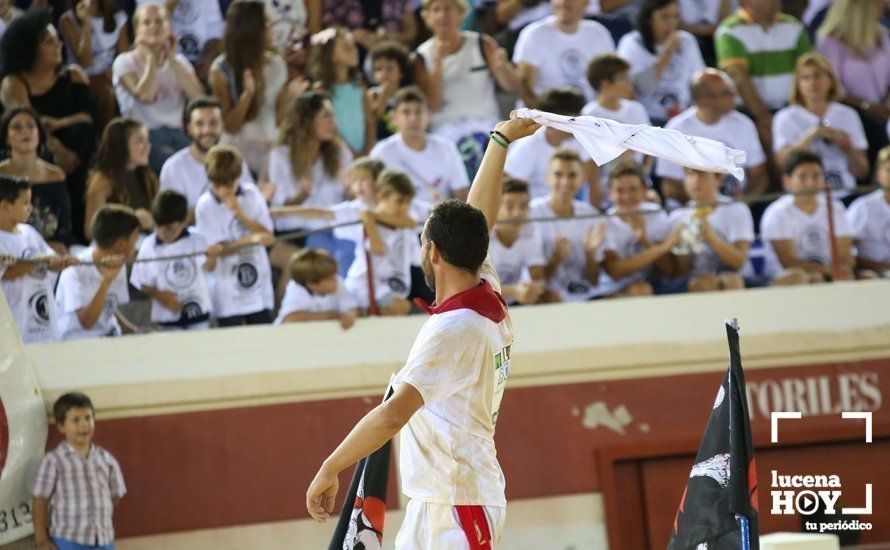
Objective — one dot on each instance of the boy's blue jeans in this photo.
(65, 544)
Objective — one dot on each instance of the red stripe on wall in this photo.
(238, 466)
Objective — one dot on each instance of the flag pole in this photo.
(835, 260)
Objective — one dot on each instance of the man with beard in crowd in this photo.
(184, 171)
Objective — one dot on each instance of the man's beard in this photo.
(200, 138)
(429, 277)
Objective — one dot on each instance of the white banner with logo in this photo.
(23, 430)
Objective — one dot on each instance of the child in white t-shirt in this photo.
(28, 287)
(316, 292)
(638, 236)
(609, 75)
(180, 298)
(88, 296)
(722, 231)
(516, 250)
(796, 227)
(391, 250)
(235, 215)
(572, 247)
(870, 218)
(432, 162)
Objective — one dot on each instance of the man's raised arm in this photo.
(485, 193)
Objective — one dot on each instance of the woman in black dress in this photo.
(31, 75)
(23, 138)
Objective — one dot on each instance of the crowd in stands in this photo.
(284, 154)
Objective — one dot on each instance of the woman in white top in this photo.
(815, 121)
(662, 59)
(307, 168)
(152, 82)
(95, 31)
(457, 71)
(249, 82)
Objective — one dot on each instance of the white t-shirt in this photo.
(166, 109)
(242, 282)
(288, 19)
(670, 95)
(561, 59)
(392, 270)
(327, 190)
(782, 220)
(792, 122)
(437, 171)
(734, 129)
(77, 287)
(299, 298)
(512, 262)
(459, 364)
(195, 22)
(629, 112)
(870, 218)
(621, 240)
(183, 173)
(529, 158)
(30, 297)
(568, 279)
(732, 221)
(184, 276)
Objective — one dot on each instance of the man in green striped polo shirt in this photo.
(757, 46)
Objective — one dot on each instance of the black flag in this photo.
(718, 510)
(360, 526)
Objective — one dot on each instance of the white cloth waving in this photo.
(604, 140)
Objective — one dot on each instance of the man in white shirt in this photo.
(448, 394)
(433, 162)
(528, 159)
(555, 51)
(184, 171)
(713, 116)
(796, 227)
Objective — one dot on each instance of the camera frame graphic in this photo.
(810, 496)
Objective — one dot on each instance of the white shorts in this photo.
(427, 526)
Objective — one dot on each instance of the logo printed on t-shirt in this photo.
(181, 273)
(38, 305)
(247, 275)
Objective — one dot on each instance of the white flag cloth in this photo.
(604, 140)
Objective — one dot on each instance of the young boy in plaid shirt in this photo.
(81, 481)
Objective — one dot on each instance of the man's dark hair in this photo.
(605, 67)
(195, 103)
(12, 187)
(69, 401)
(798, 157)
(112, 223)
(562, 101)
(169, 207)
(460, 233)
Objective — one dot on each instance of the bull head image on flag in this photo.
(718, 509)
(360, 526)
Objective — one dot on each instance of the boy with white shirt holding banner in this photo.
(796, 227)
(88, 296)
(28, 286)
(235, 215)
(180, 299)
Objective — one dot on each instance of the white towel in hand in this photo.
(604, 140)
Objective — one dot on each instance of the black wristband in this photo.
(502, 136)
